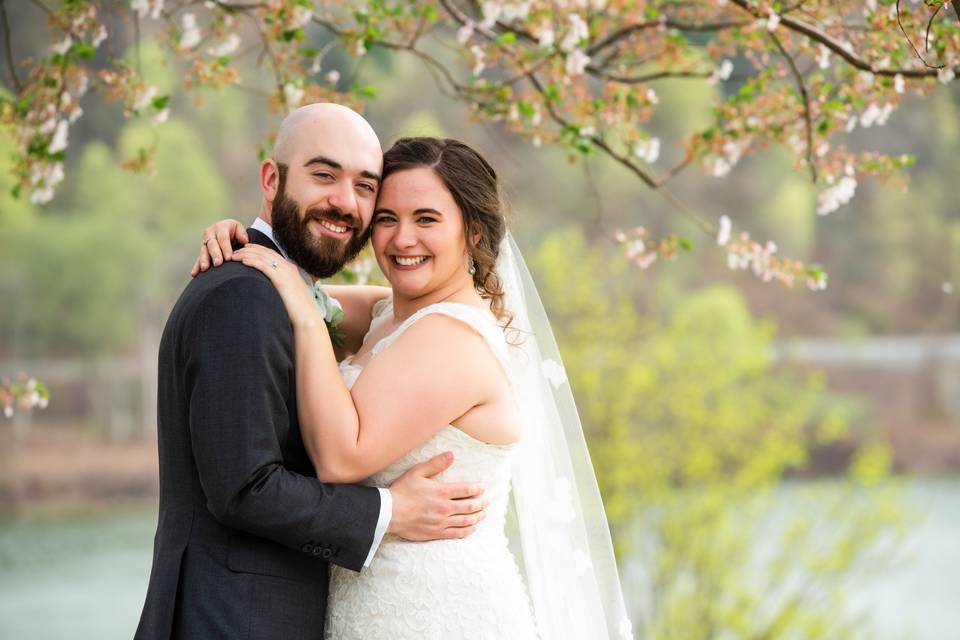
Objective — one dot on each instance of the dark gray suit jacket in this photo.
(245, 529)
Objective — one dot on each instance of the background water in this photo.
(85, 577)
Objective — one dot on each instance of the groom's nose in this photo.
(344, 198)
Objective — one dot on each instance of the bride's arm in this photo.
(404, 396)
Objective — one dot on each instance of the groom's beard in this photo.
(320, 256)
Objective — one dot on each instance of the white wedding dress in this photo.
(443, 589)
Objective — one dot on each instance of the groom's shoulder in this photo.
(231, 284)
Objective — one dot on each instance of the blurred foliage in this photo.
(87, 275)
(693, 430)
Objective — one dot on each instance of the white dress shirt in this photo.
(386, 500)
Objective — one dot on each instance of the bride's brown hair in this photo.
(473, 184)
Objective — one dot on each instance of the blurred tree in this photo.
(579, 75)
(88, 277)
(691, 445)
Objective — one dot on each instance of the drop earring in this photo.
(473, 267)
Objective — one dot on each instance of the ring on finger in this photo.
(273, 263)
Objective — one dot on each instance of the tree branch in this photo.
(9, 47)
(801, 85)
(817, 35)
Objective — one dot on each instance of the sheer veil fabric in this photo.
(564, 541)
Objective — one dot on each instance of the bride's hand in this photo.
(217, 244)
(285, 276)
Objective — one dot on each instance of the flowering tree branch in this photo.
(576, 75)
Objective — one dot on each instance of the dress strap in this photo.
(382, 310)
(477, 319)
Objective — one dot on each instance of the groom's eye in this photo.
(369, 187)
(323, 174)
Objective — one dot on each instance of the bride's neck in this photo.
(460, 291)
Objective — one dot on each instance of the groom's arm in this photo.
(239, 375)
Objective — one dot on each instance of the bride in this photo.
(456, 356)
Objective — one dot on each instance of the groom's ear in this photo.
(269, 179)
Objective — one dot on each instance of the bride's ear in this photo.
(475, 235)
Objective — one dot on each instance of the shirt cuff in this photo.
(386, 510)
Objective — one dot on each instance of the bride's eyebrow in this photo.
(427, 210)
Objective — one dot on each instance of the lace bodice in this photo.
(448, 589)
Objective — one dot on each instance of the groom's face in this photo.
(325, 193)
(320, 239)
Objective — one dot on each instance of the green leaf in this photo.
(160, 102)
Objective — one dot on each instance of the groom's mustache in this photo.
(332, 214)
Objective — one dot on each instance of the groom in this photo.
(245, 530)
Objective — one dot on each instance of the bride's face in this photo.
(418, 234)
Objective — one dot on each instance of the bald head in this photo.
(313, 122)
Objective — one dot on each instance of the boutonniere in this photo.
(332, 314)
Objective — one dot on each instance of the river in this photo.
(85, 577)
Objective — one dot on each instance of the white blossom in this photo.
(553, 372)
(652, 96)
(720, 168)
(723, 236)
(43, 403)
(537, 141)
(300, 17)
(517, 11)
(143, 7)
(945, 75)
(63, 46)
(333, 76)
(479, 64)
(191, 32)
(99, 36)
(491, 13)
(225, 48)
(587, 131)
(161, 117)
(144, 98)
(292, 95)
(8, 411)
(865, 80)
(851, 123)
(546, 37)
(837, 195)
(59, 141)
(722, 72)
(773, 22)
(823, 59)
(577, 61)
(465, 32)
(898, 83)
(578, 31)
(647, 150)
(947, 287)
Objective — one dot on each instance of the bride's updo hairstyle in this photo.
(473, 184)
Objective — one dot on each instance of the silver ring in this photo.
(207, 240)
(273, 263)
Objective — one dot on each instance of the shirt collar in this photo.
(264, 227)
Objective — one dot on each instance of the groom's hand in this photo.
(426, 509)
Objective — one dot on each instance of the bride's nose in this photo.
(405, 236)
